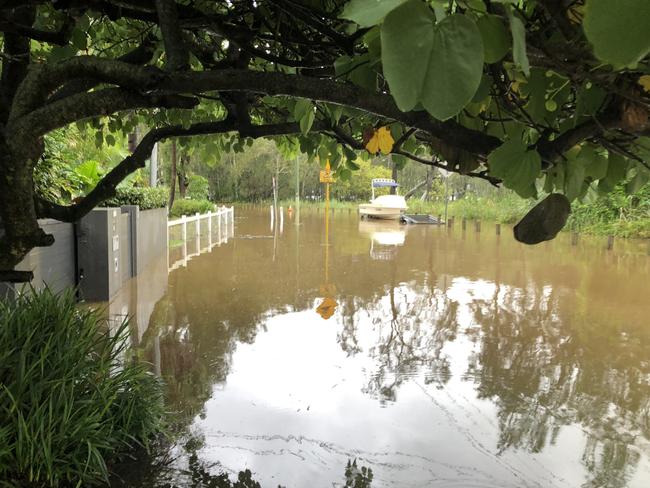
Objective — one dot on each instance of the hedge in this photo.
(190, 207)
(145, 197)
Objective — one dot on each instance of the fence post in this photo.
(210, 229)
(219, 214)
(184, 235)
(198, 232)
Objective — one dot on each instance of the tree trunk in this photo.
(172, 183)
(182, 175)
(430, 175)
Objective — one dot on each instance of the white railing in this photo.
(225, 219)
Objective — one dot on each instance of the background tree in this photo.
(539, 95)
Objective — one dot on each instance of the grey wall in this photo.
(113, 245)
(151, 240)
(53, 265)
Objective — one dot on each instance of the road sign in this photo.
(326, 174)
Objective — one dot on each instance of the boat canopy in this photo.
(383, 183)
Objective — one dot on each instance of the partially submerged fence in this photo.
(218, 226)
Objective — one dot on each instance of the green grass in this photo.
(71, 400)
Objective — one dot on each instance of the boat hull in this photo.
(380, 212)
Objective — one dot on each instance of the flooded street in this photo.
(433, 356)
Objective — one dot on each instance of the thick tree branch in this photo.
(106, 187)
(138, 56)
(177, 54)
(85, 105)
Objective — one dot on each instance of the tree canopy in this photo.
(542, 96)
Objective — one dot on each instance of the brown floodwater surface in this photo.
(433, 356)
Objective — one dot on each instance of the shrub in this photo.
(145, 197)
(70, 401)
(190, 207)
(198, 188)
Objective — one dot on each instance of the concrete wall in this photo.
(113, 245)
(53, 265)
(149, 236)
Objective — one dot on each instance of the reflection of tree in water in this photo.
(412, 325)
(201, 476)
(546, 369)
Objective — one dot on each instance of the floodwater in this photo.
(432, 356)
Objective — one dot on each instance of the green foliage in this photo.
(496, 41)
(357, 187)
(618, 30)
(70, 399)
(198, 188)
(436, 64)
(517, 166)
(190, 207)
(56, 181)
(145, 197)
(616, 213)
(368, 13)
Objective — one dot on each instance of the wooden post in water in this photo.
(198, 232)
(464, 224)
(610, 243)
(440, 219)
(574, 238)
(498, 229)
(478, 226)
(184, 235)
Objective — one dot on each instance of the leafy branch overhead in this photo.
(541, 96)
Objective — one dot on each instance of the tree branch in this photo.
(85, 105)
(177, 54)
(106, 187)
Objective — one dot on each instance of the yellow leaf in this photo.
(373, 145)
(644, 81)
(381, 140)
(386, 140)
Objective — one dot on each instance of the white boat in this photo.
(389, 207)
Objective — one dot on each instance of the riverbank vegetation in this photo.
(553, 94)
(71, 399)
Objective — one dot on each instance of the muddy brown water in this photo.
(432, 356)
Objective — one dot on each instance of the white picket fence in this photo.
(223, 218)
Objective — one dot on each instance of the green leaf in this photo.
(307, 121)
(351, 165)
(618, 30)
(302, 108)
(439, 65)
(496, 41)
(640, 178)
(595, 164)
(110, 140)
(357, 70)
(575, 177)
(79, 39)
(367, 13)
(517, 166)
(518, 41)
(616, 172)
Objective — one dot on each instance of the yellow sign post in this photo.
(328, 306)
